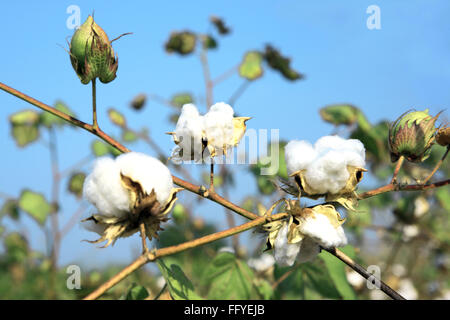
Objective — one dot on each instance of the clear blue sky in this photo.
(385, 72)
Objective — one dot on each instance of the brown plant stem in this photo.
(153, 255)
(436, 168)
(143, 237)
(94, 105)
(397, 169)
(211, 177)
(352, 264)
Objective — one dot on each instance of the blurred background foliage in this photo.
(404, 233)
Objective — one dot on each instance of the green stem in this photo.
(94, 105)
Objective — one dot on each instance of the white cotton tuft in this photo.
(299, 155)
(261, 263)
(308, 251)
(218, 124)
(189, 131)
(285, 253)
(326, 162)
(320, 229)
(104, 189)
(149, 172)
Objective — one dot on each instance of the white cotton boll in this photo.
(104, 190)
(321, 230)
(218, 125)
(149, 172)
(285, 253)
(309, 249)
(189, 131)
(299, 155)
(261, 263)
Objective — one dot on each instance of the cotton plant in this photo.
(330, 168)
(212, 134)
(128, 191)
(307, 230)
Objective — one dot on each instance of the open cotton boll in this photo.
(104, 190)
(320, 229)
(189, 131)
(262, 263)
(151, 173)
(218, 125)
(299, 155)
(285, 253)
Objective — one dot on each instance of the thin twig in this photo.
(240, 90)
(352, 264)
(225, 75)
(211, 177)
(94, 105)
(160, 292)
(436, 168)
(143, 237)
(207, 78)
(397, 169)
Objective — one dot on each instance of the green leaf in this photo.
(209, 42)
(219, 23)
(182, 43)
(17, 247)
(116, 117)
(228, 278)
(48, 120)
(99, 148)
(443, 196)
(138, 102)
(336, 270)
(24, 127)
(136, 292)
(76, 182)
(320, 281)
(263, 289)
(180, 287)
(339, 114)
(129, 136)
(35, 205)
(181, 99)
(10, 208)
(281, 64)
(251, 66)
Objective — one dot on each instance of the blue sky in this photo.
(384, 72)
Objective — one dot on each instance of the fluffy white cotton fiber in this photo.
(216, 126)
(262, 263)
(285, 253)
(104, 189)
(326, 162)
(319, 228)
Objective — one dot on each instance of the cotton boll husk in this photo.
(189, 131)
(104, 190)
(90, 225)
(299, 155)
(285, 253)
(309, 249)
(319, 227)
(149, 172)
(218, 124)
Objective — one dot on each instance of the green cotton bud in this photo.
(91, 53)
(412, 136)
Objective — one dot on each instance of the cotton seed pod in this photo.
(91, 53)
(443, 136)
(412, 136)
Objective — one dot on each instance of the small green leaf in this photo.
(182, 43)
(116, 117)
(136, 292)
(251, 66)
(336, 270)
(35, 205)
(277, 62)
(76, 182)
(179, 214)
(229, 278)
(10, 208)
(219, 23)
(129, 136)
(209, 42)
(99, 148)
(17, 247)
(24, 127)
(180, 287)
(339, 114)
(181, 99)
(320, 281)
(48, 120)
(138, 102)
